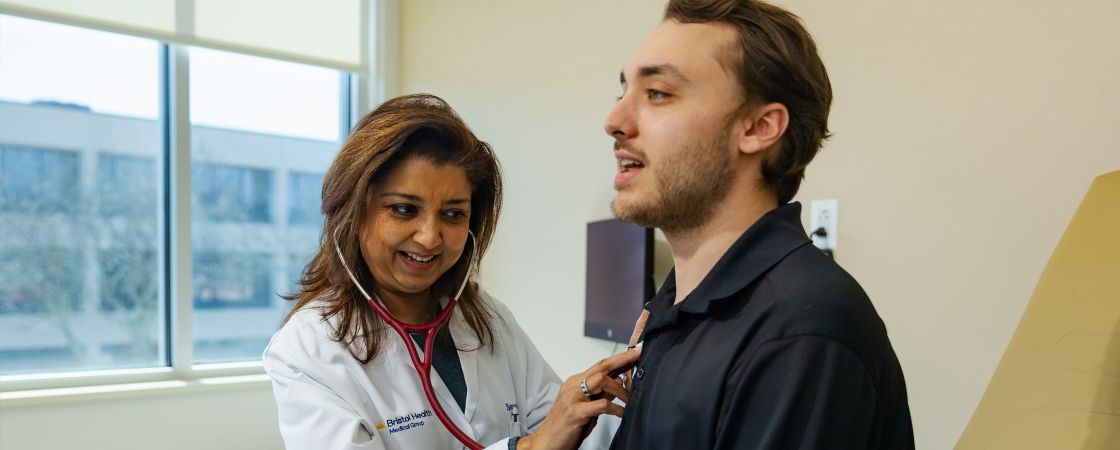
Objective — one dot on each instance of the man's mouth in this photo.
(628, 167)
(625, 164)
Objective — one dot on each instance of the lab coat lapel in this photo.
(464, 338)
(447, 400)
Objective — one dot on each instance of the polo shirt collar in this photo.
(775, 235)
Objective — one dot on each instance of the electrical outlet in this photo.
(823, 214)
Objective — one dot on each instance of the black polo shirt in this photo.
(777, 348)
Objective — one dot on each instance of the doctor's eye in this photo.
(455, 214)
(403, 210)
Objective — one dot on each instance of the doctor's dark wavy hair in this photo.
(412, 126)
(775, 60)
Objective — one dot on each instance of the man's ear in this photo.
(763, 128)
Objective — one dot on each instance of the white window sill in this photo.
(201, 381)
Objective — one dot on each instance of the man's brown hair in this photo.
(775, 61)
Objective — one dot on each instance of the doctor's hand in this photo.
(581, 400)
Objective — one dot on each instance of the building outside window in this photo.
(304, 194)
(38, 180)
(127, 185)
(86, 234)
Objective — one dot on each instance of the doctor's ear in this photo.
(763, 127)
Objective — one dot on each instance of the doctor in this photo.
(411, 200)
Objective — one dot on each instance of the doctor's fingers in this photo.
(616, 364)
(599, 384)
(595, 408)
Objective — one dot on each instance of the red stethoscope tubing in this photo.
(424, 367)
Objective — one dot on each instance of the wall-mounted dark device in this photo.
(619, 278)
(820, 240)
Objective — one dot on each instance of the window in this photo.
(126, 185)
(262, 133)
(231, 280)
(38, 180)
(79, 182)
(304, 199)
(86, 271)
(231, 194)
(129, 280)
(41, 280)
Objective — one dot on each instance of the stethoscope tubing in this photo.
(423, 367)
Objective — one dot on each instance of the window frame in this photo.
(357, 93)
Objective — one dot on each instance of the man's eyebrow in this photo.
(659, 69)
(417, 199)
(664, 69)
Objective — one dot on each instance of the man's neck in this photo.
(697, 250)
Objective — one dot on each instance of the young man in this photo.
(757, 340)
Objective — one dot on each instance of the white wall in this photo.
(241, 417)
(965, 135)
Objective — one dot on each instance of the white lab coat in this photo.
(328, 400)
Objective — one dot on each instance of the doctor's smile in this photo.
(418, 229)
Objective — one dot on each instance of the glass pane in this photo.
(80, 177)
(262, 135)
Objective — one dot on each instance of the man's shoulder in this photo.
(809, 294)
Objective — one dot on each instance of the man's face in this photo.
(673, 129)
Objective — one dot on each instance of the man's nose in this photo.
(620, 122)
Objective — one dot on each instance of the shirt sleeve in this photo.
(312, 416)
(802, 392)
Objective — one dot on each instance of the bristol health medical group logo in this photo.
(404, 422)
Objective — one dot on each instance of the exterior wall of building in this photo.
(81, 200)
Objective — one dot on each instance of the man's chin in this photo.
(631, 213)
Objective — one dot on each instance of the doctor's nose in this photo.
(429, 233)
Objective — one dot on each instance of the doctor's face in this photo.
(672, 127)
(416, 227)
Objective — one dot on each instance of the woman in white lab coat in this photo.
(403, 199)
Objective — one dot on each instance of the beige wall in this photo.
(241, 416)
(535, 80)
(965, 135)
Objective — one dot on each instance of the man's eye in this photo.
(403, 210)
(655, 94)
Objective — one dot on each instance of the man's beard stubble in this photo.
(687, 192)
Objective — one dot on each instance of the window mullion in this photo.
(181, 343)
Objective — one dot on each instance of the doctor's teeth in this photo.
(418, 258)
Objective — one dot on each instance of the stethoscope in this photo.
(423, 367)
